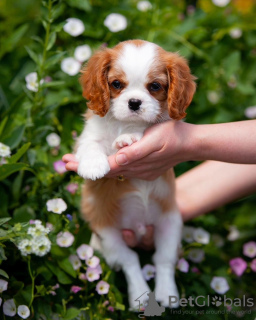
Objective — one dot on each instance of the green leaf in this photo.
(71, 313)
(23, 214)
(19, 153)
(53, 84)
(3, 274)
(51, 41)
(11, 42)
(66, 265)
(32, 55)
(15, 137)
(2, 254)
(2, 124)
(80, 4)
(120, 306)
(62, 277)
(4, 220)
(8, 169)
(53, 59)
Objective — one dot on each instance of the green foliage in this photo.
(33, 40)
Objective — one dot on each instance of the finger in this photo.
(129, 237)
(69, 158)
(72, 166)
(136, 151)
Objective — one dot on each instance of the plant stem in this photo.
(33, 282)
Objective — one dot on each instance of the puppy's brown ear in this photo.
(181, 85)
(94, 81)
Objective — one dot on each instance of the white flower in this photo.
(32, 81)
(183, 265)
(9, 308)
(213, 97)
(102, 287)
(65, 239)
(74, 27)
(23, 311)
(201, 236)
(234, 233)
(25, 246)
(82, 53)
(92, 274)
(188, 234)
(115, 22)
(220, 3)
(235, 33)
(75, 261)
(57, 205)
(70, 66)
(53, 139)
(220, 285)
(93, 262)
(196, 255)
(148, 272)
(41, 245)
(144, 6)
(5, 150)
(3, 285)
(38, 230)
(250, 112)
(84, 252)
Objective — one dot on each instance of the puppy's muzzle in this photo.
(134, 104)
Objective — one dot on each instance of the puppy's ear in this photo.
(181, 85)
(94, 81)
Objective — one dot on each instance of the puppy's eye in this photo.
(155, 86)
(116, 84)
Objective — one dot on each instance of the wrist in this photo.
(192, 139)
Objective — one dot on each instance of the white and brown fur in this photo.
(110, 205)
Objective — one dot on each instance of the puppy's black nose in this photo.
(134, 104)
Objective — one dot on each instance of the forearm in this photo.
(212, 185)
(229, 142)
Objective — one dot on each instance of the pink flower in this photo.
(84, 252)
(195, 270)
(102, 287)
(82, 276)
(148, 272)
(183, 265)
(59, 166)
(238, 266)
(249, 249)
(72, 187)
(105, 303)
(75, 289)
(253, 265)
(93, 262)
(92, 274)
(111, 309)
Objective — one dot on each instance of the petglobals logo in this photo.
(206, 301)
(150, 307)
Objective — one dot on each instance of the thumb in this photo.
(135, 152)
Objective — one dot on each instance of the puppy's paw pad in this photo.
(125, 140)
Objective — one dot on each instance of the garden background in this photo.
(42, 274)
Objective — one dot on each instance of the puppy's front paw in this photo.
(93, 168)
(126, 139)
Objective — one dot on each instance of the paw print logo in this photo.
(216, 301)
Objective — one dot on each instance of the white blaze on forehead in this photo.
(135, 61)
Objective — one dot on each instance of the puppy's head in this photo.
(138, 81)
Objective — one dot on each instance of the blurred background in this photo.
(43, 45)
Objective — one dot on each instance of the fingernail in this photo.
(121, 159)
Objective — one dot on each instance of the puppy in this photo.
(129, 88)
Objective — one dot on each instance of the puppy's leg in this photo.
(167, 240)
(117, 254)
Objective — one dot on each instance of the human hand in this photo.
(163, 146)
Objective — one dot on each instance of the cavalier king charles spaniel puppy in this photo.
(129, 88)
